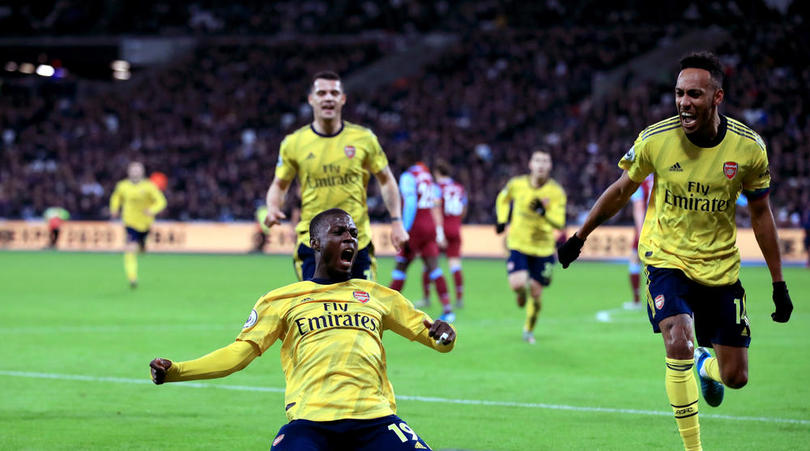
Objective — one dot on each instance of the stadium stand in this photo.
(521, 75)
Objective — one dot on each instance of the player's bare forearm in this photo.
(765, 232)
(609, 203)
(390, 192)
(220, 363)
(390, 195)
(275, 200)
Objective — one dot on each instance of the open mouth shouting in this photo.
(346, 256)
(688, 121)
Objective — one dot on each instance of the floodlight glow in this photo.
(27, 68)
(121, 75)
(11, 66)
(120, 66)
(45, 70)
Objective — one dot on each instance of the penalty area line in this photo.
(426, 399)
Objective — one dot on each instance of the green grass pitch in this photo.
(76, 342)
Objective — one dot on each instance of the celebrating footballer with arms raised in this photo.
(333, 159)
(701, 161)
(338, 395)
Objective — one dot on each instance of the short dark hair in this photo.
(324, 75)
(322, 219)
(707, 61)
(443, 167)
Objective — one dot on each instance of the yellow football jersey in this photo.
(529, 232)
(332, 352)
(690, 219)
(137, 197)
(333, 172)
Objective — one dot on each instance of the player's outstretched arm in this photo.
(609, 203)
(415, 325)
(275, 201)
(390, 194)
(765, 231)
(219, 363)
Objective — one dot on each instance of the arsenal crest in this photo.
(361, 296)
(349, 151)
(730, 169)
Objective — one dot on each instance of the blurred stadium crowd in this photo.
(519, 77)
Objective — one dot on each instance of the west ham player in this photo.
(338, 395)
(701, 161)
(452, 201)
(423, 222)
(639, 200)
(538, 209)
(333, 160)
(139, 200)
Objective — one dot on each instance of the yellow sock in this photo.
(532, 310)
(712, 369)
(131, 265)
(682, 391)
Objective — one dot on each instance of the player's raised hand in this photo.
(538, 207)
(159, 369)
(398, 235)
(781, 299)
(440, 331)
(274, 216)
(570, 250)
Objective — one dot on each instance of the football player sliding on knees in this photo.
(329, 318)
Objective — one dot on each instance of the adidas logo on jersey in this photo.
(310, 156)
(676, 168)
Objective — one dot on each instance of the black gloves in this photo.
(500, 227)
(538, 207)
(570, 250)
(781, 299)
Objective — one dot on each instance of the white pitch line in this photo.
(113, 328)
(428, 399)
